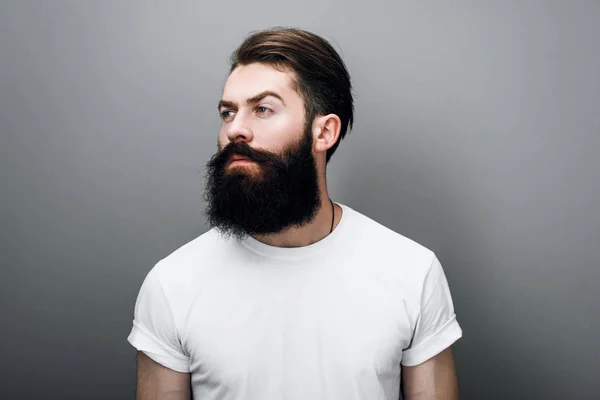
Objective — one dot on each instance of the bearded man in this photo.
(291, 295)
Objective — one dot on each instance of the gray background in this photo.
(477, 134)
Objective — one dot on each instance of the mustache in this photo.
(243, 149)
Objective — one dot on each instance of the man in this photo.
(290, 295)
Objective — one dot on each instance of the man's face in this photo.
(263, 179)
(260, 106)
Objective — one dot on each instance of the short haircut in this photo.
(321, 80)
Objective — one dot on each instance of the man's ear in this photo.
(326, 131)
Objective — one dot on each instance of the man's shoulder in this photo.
(191, 260)
(201, 245)
(395, 258)
(377, 235)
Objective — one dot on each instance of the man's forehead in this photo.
(248, 80)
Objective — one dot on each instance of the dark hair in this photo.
(322, 79)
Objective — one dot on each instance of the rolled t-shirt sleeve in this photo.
(436, 326)
(154, 329)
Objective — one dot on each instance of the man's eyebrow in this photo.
(252, 100)
(262, 95)
(226, 104)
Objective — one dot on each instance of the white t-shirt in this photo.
(332, 320)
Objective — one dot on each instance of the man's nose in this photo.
(239, 129)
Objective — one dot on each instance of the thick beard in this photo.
(278, 192)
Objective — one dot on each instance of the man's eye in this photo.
(263, 110)
(226, 114)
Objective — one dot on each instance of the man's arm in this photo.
(156, 382)
(435, 379)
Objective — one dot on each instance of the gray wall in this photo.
(477, 134)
